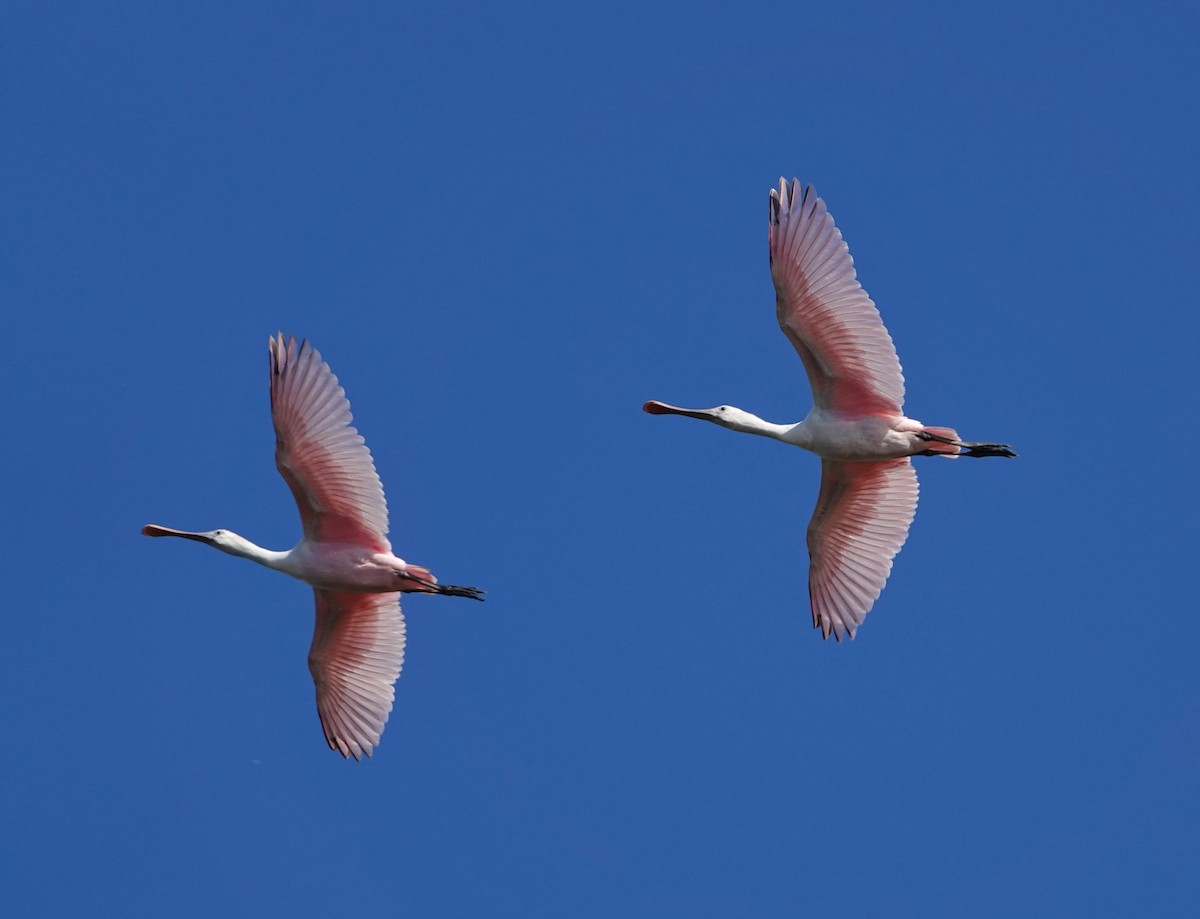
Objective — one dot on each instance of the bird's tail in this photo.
(944, 441)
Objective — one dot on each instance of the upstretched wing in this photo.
(861, 520)
(832, 323)
(319, 453)
(356, 655)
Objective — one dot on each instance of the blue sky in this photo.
(506, 226)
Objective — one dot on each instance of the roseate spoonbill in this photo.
(868, 486)
(358, 644)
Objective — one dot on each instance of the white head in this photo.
(727, 416)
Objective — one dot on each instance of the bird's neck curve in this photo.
(749, 423)
(799, 434)
(233, 544)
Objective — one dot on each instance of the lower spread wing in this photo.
(861, 520)
(356, 654)
(832, 323)
(319, 453)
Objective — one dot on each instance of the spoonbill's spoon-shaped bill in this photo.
(868, 490)
(344, 553)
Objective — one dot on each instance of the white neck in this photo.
(748, 423)
(233, 544)
(799, 434)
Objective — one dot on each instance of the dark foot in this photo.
(967, 448)
(986, 450)
(450, 590)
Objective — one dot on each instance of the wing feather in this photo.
(849, 357)
(319, 453)
(356, 655)
(860, 522)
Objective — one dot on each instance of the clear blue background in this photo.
(506, 226)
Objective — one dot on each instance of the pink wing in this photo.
(356, 653)
(861, 520)
(851, 361)
(319, 453)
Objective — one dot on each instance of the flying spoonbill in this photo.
(358, 644)
(868, 490)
